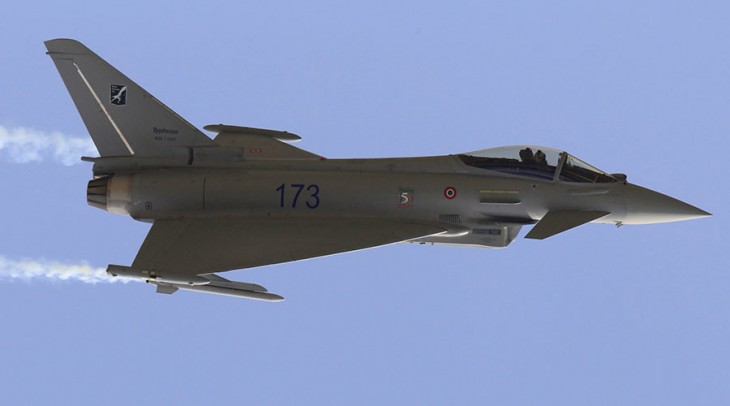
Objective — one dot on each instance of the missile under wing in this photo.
(249, 198)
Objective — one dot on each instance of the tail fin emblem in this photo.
(118, 95)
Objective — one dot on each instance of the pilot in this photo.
(527, 156)
(540, 157)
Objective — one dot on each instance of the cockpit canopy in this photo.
(536, 162)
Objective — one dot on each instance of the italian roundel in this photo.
(450, 192)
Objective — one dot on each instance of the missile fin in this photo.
(166, 289)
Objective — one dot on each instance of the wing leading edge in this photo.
(184, 253)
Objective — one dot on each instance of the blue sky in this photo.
(599, 315)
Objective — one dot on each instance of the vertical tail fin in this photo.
(121, 117)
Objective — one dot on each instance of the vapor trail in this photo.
(29, 269)
(24, 145)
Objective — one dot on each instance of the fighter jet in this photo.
(249, 198)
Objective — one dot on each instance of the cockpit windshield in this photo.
(522, 161)
(536, 162)
(575, 170)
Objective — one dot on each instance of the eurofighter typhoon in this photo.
(249, 198)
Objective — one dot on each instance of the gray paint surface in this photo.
(249, 199)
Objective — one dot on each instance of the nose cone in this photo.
(645, 206)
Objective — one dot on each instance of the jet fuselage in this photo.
(437, 189)
(249, 198)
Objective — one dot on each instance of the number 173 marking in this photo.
(310, 198)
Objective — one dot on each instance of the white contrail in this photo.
(24, 145)
(29, 269)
